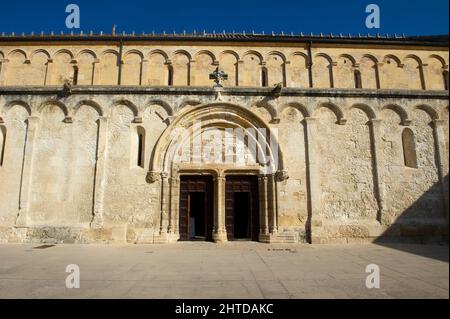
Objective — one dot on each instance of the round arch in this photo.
(220, 114)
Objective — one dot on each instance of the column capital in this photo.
(164, 175)
(32, 119)
(219, 178)
(438, 123)
(137, 120)
(310, 119)
(174, 179)
(406, 122)
(375, 122)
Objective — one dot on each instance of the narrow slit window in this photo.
(409, 148)
(2, 144)
(75, 75)
(170, 76)
(264, 77)
(358, 81)
(140, 147)
(445, 78)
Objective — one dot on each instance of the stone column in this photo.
(144, 72)
(27, 172)
(219, 232)
(263, 207)
(313, 177)
(379, 78)
(174, 205)
(240, 72)
(422, 74)
(3, 69)
(49, 73)
(96, 72)
(100, 172)
(378, 165)
(191, 73)
(332, 77)
(165, 188)
(272, 200)
(287, 74)
(442, 163)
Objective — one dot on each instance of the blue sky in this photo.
(412, 17)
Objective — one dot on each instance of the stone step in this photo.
(146, 237)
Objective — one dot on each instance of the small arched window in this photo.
(358, 81)
(140, 158)
(409, 148)
(2, 144)
(264, 77)
(170, 76)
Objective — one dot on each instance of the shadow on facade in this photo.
(414, 226)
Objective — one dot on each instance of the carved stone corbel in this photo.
(153, 177)
(66, 89)
(281, 176)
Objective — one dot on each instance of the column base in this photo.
(220, 238)
(96, 224)
(22, 220)
(279, 238)
(165, 238)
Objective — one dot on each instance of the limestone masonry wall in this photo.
(364, 153)
(189, 64)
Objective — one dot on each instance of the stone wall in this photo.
(188, 64)
(362, 158)
(66, 159)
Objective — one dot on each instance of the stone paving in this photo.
(232, 270)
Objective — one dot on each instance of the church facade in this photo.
(222, 137)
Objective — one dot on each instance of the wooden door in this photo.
(243, 189)
(190, 187)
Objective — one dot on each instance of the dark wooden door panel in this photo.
(242, 184)
(195, 184)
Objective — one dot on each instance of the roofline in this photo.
(435, 41)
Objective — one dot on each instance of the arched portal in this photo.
(228, 143)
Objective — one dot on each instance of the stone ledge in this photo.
(238, 91)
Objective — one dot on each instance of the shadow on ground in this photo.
(415, 225)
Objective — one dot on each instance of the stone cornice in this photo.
(237, 91)
(438, 41)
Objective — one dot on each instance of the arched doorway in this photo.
(185, 149)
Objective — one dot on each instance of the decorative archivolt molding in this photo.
(220, 113)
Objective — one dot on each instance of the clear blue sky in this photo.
(412, 17)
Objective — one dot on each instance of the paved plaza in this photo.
(232, 270)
